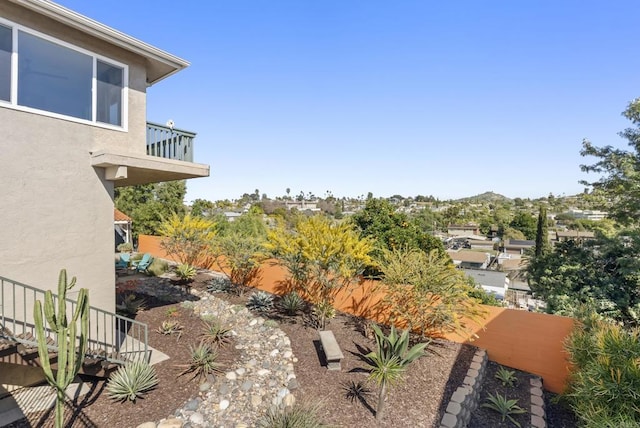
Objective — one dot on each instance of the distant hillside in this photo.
(485, 197)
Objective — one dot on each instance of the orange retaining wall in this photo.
(522, 340)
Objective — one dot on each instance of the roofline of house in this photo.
(94, 28)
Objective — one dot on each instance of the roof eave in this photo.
(170, 62)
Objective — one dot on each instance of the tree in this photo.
(322, 257)
(390, 229)
(525, 223)
(202, 208)
(601, 273)
(189, 239)
(619, 169)
(149, 205)
(542, 235)
(389, 361)
(425, 292)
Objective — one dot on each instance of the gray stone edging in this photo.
(465, 399)
(538, 414)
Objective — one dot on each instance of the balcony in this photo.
(169, 143)
(169, 156)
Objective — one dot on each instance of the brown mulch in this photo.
(418, 401)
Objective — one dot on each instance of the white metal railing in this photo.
(112, 337)
(170, 143)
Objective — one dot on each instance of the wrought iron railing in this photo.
(112, 337)
(170, 143)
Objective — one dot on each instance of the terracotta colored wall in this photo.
(523, 340)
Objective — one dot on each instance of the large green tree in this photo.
(619, 170)
(150, 204)
(525, 223)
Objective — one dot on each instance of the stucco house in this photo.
(73, 109)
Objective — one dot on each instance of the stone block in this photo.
(471, 381)
(459, 395)
(472, 373)
(537, 410)
(449, 420)
(475, 366)
(536, 391)
(454, 408)
(538, 422)
(536, 381)
(537, 400)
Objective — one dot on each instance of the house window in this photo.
(5, 63)
(59, 79)
(110, 85)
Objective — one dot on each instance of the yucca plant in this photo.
(186, 272)
(260, 301)
(300, 415)
(389, 361)
(291, 303)
(507, 377)
(132, 381)
(214, 333)
(505, 407)
(170, 327)
(203, 361)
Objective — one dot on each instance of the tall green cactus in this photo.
(69, 358)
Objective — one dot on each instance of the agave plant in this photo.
(303, 415)
(291, 303)
(203, 361)
(356, 391)
(131, 381)
(170, 327)
(504, 406)
(186, 272)
(260, 301)
(507, 377)
(219, 284)
(214, 333)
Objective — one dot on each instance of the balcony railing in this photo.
(169, 143)
(112, 337)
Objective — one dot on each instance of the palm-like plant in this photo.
(504, 406)
(389, 361)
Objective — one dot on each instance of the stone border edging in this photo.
(538, 414)
(464, 400)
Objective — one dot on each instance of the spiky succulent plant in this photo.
(260, 301)
(132, 381)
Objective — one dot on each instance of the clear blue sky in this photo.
(448, 98)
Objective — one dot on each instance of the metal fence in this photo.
(112, 337)
(167, 142)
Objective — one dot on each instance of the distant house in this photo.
(122, 225)
(470, 259)
(494, 282)
(231, 215)
(594, 215)
(574, 235)
(518, 246)
(477, 244)
(463, 229)
(302, 205)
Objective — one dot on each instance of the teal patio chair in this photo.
(123, 263)
(143, 264)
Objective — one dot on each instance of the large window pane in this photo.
(53, 78)
(110, 83)
(5, 63)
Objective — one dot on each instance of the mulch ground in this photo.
(418, 401)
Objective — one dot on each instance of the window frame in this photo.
(13, 101)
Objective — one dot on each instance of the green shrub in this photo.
(132, 381)
(504, 406)
(260, 301)
(604, 386)
(125, 247)
(157, 267)
(291, 303)
(203, 361)
(298, 416)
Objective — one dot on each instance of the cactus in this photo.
(69, 359)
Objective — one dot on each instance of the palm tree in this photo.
(389, 361)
